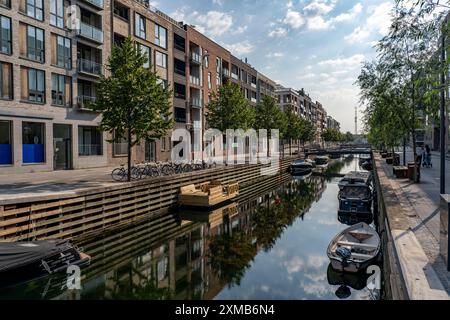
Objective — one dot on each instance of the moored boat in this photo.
(322, 160)
(354, 249)
(356, 177)
(208, 195)
(355, 198)
(300, 167)
(24, 261)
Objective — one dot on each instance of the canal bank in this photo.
(268, 244)
(412, 271)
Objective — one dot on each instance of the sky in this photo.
(317, 45)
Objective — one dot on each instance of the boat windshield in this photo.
(360, 192)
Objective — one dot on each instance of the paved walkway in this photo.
(424, 198)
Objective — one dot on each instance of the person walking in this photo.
(428, 156)
(423, 156)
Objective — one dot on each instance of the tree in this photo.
(293, 127)
(348, 137)
(269, 116)
(308, 132)
(134, 104)
(330, 135)
(228, 109)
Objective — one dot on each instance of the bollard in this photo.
(444, 241)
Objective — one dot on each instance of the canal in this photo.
(270, 244)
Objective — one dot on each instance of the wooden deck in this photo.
(94, 210)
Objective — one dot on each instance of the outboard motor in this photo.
(345, 254)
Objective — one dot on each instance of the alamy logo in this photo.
(73, 14)
(374, 280)
(73, 278)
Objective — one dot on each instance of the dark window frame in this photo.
(36, 92)
(10, 89)
(57, 18)
(94, 131)
(32, 5)
(33, 50)
(58, 95)
(140, 26)
(64, 59)
(8, 40)
(158, 37)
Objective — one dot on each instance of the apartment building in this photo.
(245, 75)
(208, 68)
(289, 99)
(47, 76)
(333, 123)
(321, 121)
(264, 87)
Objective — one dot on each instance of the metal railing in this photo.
(90, 32)
(89, 66)
(194, 80)
(97, 3)
(84, 102)
(226, 72)
(197, 103)
(195, 57)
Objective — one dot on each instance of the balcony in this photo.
(254, 85)
(196, 58)
(85, 102)
(234, 76)
(96, 3)
(90, 67)
(253, 100)
(226, 72)
(196, 103)
(197, 125)
(90, 32)
(194, 80)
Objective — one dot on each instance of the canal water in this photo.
(270, 244)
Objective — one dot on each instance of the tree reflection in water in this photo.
(231, 254)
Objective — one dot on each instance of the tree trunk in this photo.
(268, 145)
(416, 171)
(129, 156)
(290, 146)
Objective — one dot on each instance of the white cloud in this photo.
(349, 62)
(214, 23)
(240, 48)
(377, 23)
(294, 19)
(318, 23)
(219, 2)
(240, 30)
(275, 55)
(294, 265)
(319, 7)
(350, 15)
(278, 32)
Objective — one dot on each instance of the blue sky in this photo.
(313, 44)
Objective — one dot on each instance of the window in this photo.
(61, 90)
(162, 82)
(63, 52)
(5, 142)
(120, 147)
(209, 81)
(5, 3)
(146, 51)
(57, 13)
(180, 114)
(160, 36)
(6, 88)
(150, 151)
(179, 67)
(179, 42)
(5, 35)
(35, 44)
(89, 141)
(179, 90)
(161, 59)
(121, 11)
(218, 63)
(139, 26)
(35, 9)
(206, 61)
(33, 142)
(163, 143)
(33, 85)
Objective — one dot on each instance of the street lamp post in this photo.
(442, 114)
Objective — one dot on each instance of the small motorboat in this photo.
(351, 220)
(354, 249)
(322, 160)
(356, 281)
(24, 261)
(355, 199)
(356, 177)
(300, 167)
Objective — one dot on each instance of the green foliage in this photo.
(332, 135)
(308, 132)
(229, 109)
(269, 116)
(131, 98)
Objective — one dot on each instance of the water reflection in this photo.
(270, 244)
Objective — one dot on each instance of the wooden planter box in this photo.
(389, 160)
(411, 170)
(400, 172)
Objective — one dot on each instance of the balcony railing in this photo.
(91, 67)
(97, 3)
(253, 100)
(85, 102)
(253, 85)
(226, 72)
(90, 32)
(234, 76)
(194, 80)
(196, 58)
(197, 103)
(181, 72)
